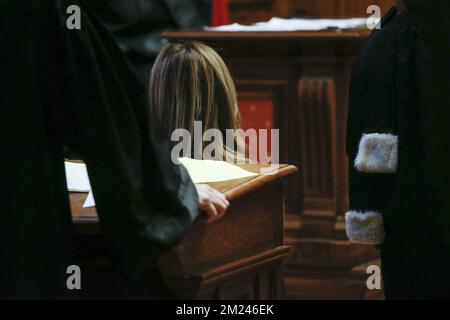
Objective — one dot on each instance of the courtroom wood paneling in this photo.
(316, 117)
(250, 11)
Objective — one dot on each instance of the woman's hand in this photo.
(212, 202)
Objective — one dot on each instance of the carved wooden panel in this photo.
(316, 118)
(309, 97)
(304, 98)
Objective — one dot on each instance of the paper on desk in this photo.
(279, 25)
(206, 171)
(200, 171)
(77, 177)
(90, 201)
(78, 181)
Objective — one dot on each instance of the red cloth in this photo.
(220, 13)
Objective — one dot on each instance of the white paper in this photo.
(90, 201)
(200, 171)
(206, 171)
(278, 24)
(77, 177)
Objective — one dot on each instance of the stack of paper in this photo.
(278, 24)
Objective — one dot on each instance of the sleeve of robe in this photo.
(371, 134)
(431, 61)
(398, 133)
(137, 25)
(190, 14)
(145, 203)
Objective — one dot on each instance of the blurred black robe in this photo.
(137, 26)
(74, 87)
(401, 87)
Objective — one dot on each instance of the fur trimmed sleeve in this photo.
(397, 137)
(372, 140)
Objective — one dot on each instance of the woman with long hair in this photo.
(190, 83)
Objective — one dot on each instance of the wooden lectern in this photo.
(238, 257)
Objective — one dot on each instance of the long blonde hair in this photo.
(190, 82)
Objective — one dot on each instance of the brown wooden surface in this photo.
(266, 35)
(247, 47)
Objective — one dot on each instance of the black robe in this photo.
(74, 87)
(137, 25)
(398, 147)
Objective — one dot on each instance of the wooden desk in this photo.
(237, 257)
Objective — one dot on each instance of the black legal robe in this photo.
(74, 87)
(398, 147)
(137, 25)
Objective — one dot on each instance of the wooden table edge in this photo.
(193, 34)
(259, 181)
(233, 193)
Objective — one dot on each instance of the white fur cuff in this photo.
(377, 153)
(365, 227)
